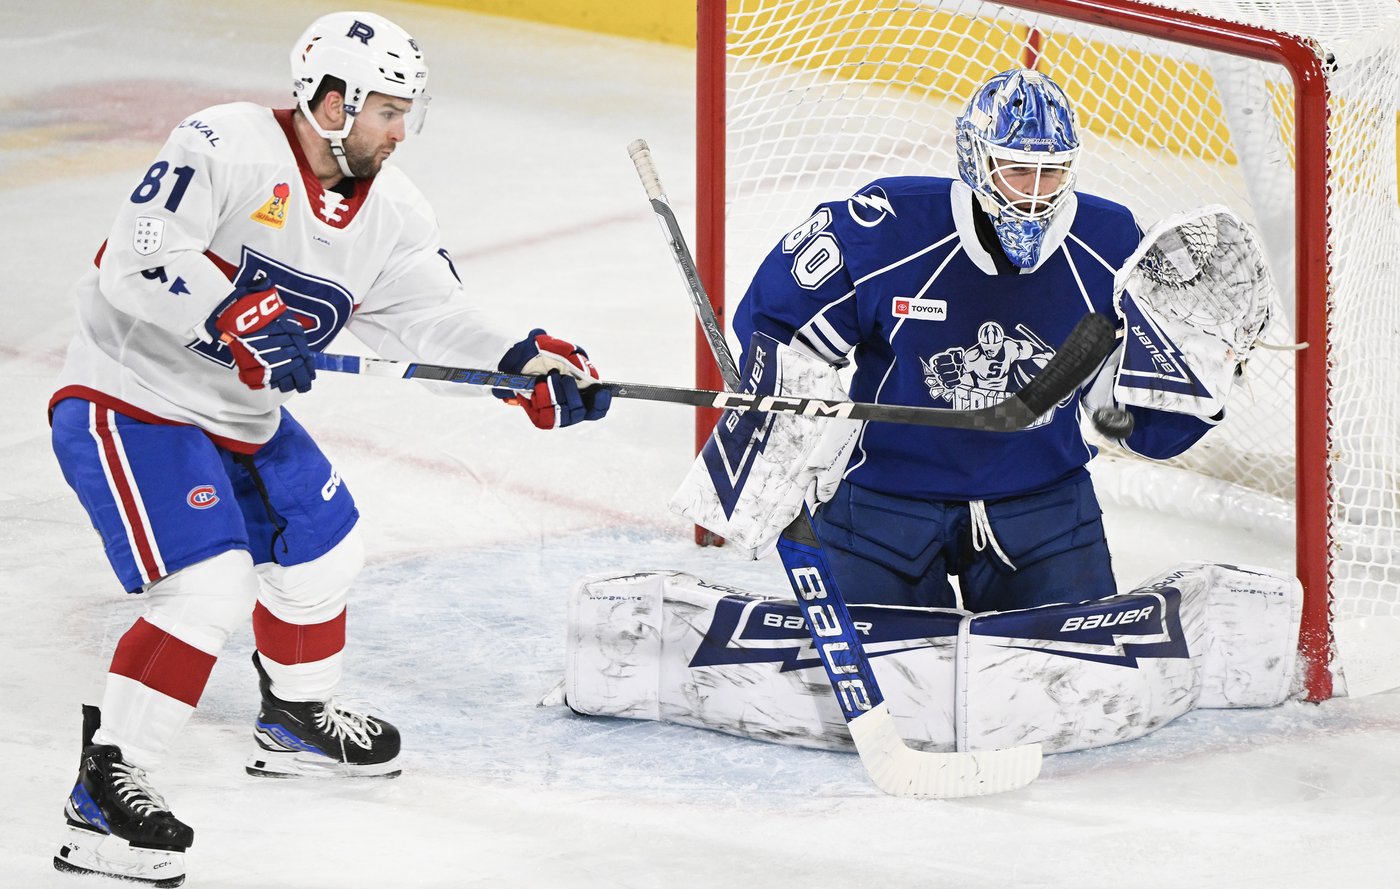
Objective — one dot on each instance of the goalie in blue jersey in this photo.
(953, 293)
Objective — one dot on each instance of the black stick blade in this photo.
(1078, 357)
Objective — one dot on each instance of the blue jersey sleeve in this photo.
(803, 293)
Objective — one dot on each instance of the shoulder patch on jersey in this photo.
(870, 206)
(274, 213)
(148, 235)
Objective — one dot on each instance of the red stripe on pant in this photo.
(289, 644)
(162, 663)
(126, 495)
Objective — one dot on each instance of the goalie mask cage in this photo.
(1284, 111)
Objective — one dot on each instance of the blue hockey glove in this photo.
(269, 345)
(567, 394)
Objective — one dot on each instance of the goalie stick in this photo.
(893, 766)
(1016, 412)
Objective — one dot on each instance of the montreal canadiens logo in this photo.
(202, 497)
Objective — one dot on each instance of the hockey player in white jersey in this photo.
(252, 239)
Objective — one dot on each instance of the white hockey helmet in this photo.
(371, 55)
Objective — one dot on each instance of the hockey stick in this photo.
(893, 766)
(1016, 412)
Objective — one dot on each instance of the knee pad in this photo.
(313, 592)
(203, 603)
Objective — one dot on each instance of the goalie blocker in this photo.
(669, 646)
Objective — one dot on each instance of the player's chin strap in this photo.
(336, 138)
(892, 765)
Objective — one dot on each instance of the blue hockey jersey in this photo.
(897, 279)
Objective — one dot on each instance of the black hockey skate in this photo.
(319, 739)
(118, 826)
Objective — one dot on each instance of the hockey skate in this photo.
(118, 826)
(319, 739)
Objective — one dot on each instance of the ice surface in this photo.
(477, 526)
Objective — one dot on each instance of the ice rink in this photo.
(478, 525)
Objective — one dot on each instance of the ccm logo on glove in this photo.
(258, 314)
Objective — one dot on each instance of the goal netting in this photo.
(1286, 112)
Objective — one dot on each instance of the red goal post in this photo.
(1284, 111)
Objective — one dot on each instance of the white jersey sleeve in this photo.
(417, 309)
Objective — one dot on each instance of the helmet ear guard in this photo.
(370, 54)
(1019, 121)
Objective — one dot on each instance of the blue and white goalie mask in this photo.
(1017, 150)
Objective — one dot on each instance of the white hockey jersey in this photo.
(231, 195)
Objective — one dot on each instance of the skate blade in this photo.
(301, 764)
(86, 851)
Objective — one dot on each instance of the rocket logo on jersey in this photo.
(273, 214)
(987, 372)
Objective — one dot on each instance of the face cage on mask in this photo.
(991, 158)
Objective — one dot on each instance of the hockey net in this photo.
(1284, 111)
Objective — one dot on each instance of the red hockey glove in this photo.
(269, 345)
(567, 394)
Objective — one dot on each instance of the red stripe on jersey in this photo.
(289, 644)
(162, 663)
(125, 493)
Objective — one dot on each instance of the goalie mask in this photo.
(1017, 150)
(371, 55)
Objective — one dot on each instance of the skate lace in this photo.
(135, 790)
(341, 720)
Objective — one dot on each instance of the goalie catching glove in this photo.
(268, 344)
(1195, 298)
(566, 393)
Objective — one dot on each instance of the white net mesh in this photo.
(824, 96)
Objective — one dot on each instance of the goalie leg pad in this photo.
(672, 647)
(669, 646)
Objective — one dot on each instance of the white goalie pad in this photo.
(757, 469)
(1195, 298)
(669, 646)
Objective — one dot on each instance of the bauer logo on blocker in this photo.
(920, 309)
